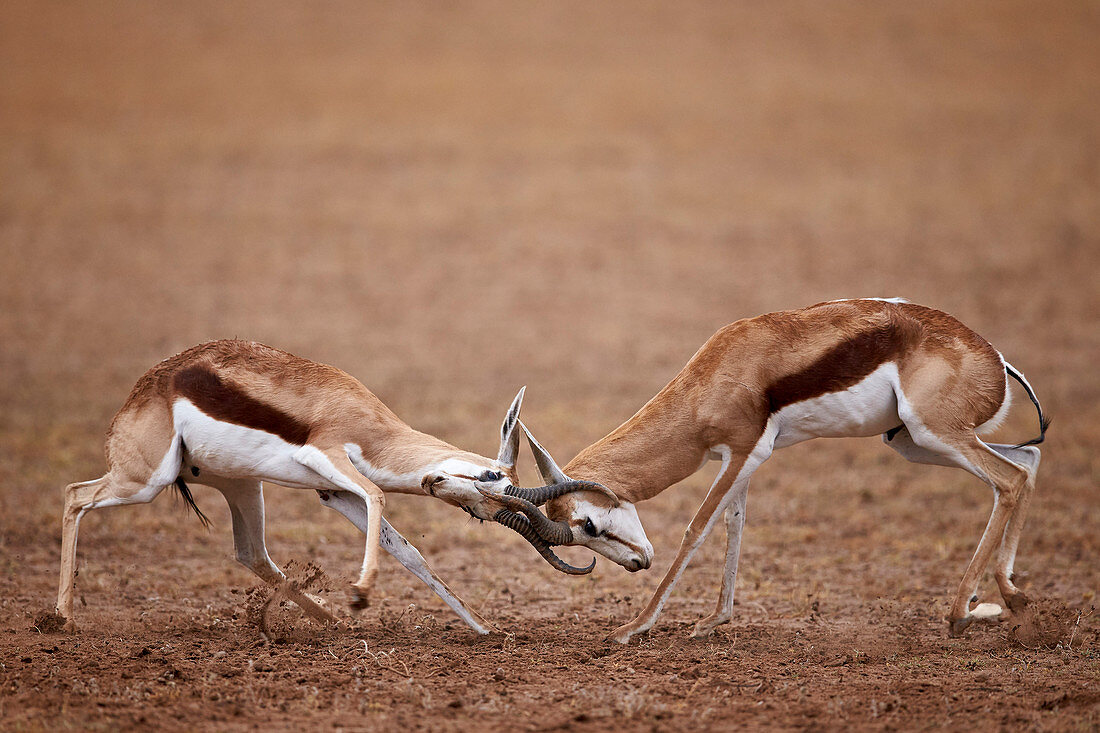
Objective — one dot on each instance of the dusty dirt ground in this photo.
(452, 201)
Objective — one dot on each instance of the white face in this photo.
(614, 532)
(456, 482)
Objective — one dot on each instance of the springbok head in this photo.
(580, 513)
(486, 489)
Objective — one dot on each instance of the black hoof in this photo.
(956, 628)
(359, 601)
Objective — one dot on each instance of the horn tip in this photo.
(573, 570)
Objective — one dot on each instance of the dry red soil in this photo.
(450, 201)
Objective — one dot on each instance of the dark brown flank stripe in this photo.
(227, 402)
(839, 368)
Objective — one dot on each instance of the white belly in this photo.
(236, 452)
(869, 407)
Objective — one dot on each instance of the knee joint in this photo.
(1008, 497)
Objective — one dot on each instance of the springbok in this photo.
(233, 414)
(917, 376)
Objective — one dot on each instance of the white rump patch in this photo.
(1002, 412)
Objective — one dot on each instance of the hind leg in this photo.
(964, 450)
(107, 491)
(1008, 481)
(144, 455)
(1028, 457)
(246, 506)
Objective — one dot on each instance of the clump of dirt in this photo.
(256, 605)
(308, 577)
(262, 600)
(49, 622)
(1045, 623)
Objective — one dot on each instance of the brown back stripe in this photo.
(838, 368)
(225, 401)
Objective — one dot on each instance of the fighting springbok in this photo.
(917, 376)
(233, 414)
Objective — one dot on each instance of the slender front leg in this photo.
(735, 473)
(392, 542)
(735, 525)
(335, 466)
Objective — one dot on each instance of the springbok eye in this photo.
(590, 529)
(490, 476)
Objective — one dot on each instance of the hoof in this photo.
(706, 627)
(1017, 602)
(359, 600)
(621, 635)
(956, 628)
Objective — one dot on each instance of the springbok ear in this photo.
(509, 436)
(551, 474)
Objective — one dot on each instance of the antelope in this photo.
(852, 368)
(232, 414)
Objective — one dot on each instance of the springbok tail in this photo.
(189, 500)
(185, 491)
(1044, 422)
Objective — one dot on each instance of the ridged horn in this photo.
(553, 533)
(515, 522)
(541, 494)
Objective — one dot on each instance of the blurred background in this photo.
(451, 200)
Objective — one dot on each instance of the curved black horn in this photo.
(515, 522)
(542, 494)
(554, 533)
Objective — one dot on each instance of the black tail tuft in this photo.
(185, 492)
(1044, 422)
